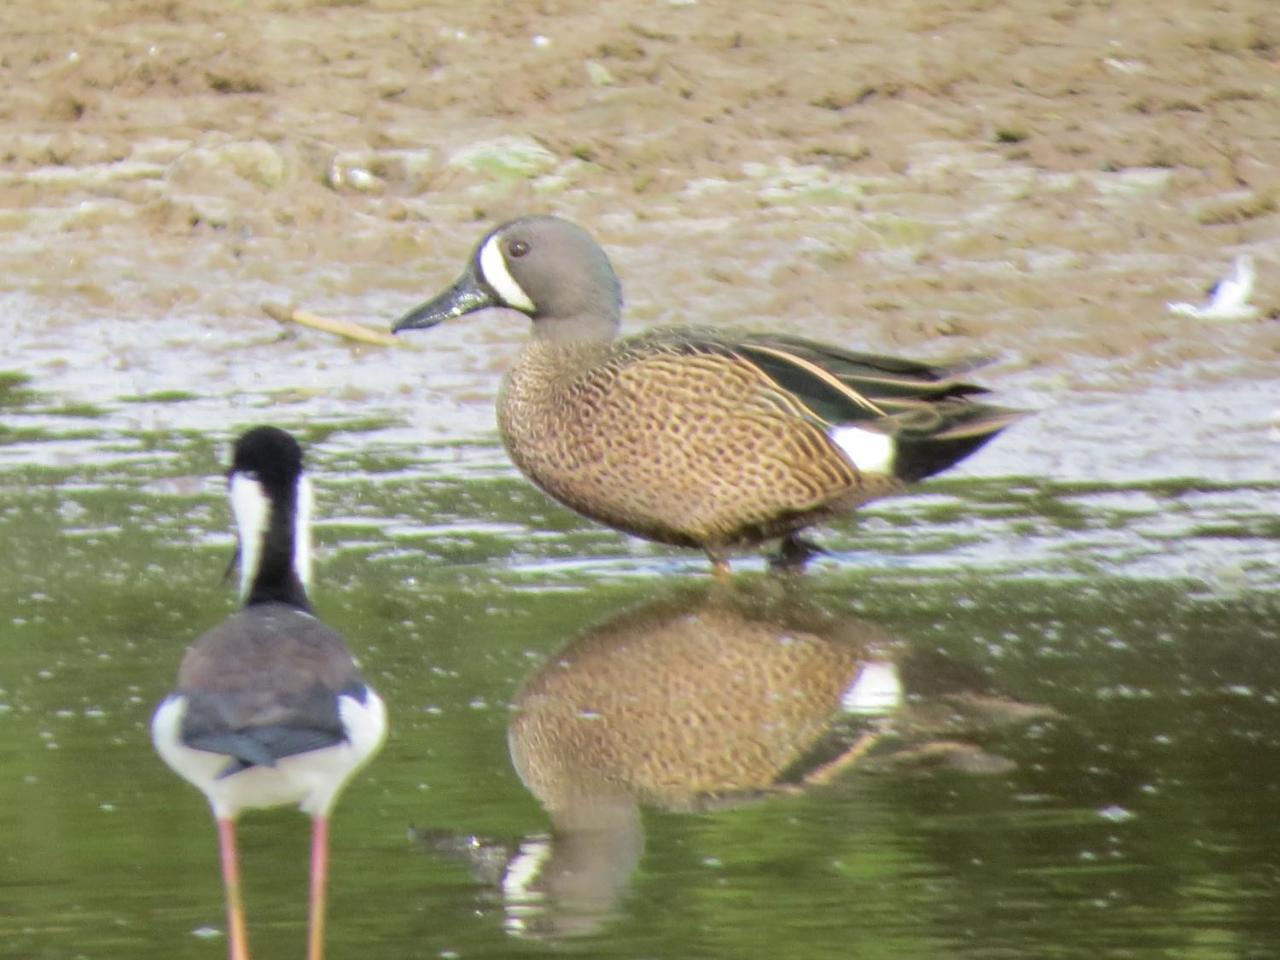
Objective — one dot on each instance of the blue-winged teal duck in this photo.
(270, 707)
(697, 437)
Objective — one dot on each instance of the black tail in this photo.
(965, 429)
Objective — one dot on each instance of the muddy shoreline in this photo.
(1031, 179)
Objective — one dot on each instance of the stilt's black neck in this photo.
(276, 580)
(271, 499)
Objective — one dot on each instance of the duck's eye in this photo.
(518, 248)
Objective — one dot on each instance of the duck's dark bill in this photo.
(467, 295)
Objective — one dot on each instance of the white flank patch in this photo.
(493, 268)
(302, 532)
(520, 896)
(877, 690)
(253, 515)
(869, 451)
(166, 725)
(365, 723)
(328, 770)
(312, 780)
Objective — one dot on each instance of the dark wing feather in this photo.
(838, 357)
(887, 384)
(828, 396)
(309, 722)
(844, 386)
(265, 685)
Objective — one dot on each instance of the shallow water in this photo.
(1085, 760)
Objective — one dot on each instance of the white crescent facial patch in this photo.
(493, 270)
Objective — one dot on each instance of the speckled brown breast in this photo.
(680, 445)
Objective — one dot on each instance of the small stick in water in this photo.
(342, 328)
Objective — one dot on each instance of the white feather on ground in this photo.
(1228, 299)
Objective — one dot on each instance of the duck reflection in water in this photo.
(701, 700)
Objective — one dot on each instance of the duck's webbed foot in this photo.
(720, 568)
(794, 554)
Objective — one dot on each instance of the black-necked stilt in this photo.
(270, 707)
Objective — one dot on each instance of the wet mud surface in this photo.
(1032, 180)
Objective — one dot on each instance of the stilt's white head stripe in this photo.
(253, 515)
(302, 532)
(493, 268)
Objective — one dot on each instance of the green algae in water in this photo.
(15, 389)
(162, 396)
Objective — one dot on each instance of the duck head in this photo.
(549, 269)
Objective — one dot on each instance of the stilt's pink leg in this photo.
(319, 879)
(237, 939)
